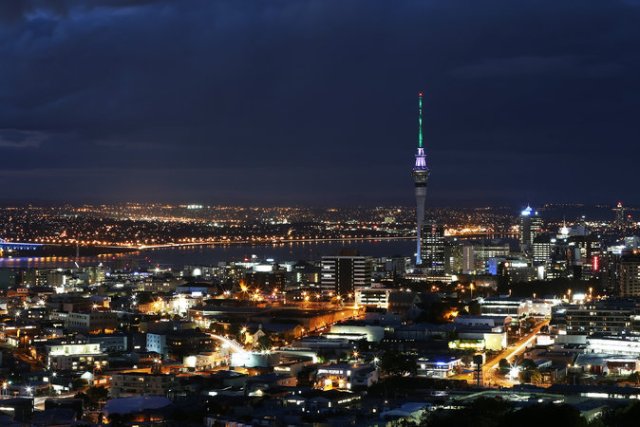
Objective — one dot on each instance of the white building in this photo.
(440, 366)
(483, 321)
(373, 297)
(373, 333)
(513, 307)
(75, 357)
(617, 345)
(345, 376)
(157, 343)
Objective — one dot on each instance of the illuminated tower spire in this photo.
(420, 120)
(420, 176)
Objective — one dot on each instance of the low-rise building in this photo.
(345, 376)
(110, 343)
(599, 318)
(614, 344)
(140, 384)
(373, 297)
(437, 366)
(514, 307)
(372, 333)
(93, 321)
(81, 356)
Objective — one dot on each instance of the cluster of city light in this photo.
(137, 225)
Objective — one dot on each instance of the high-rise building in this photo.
(420, 177)
(583, 253)
(515, 269)
(530, 227)
(620, 220)
(453, 258)
(433, 250)
(543, 247)
(342, 274)
(476, 255)
(629, 274)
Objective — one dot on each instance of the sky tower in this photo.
(420, 176)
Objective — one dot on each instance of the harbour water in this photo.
(211, 255)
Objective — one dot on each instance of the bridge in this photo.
(17, 246)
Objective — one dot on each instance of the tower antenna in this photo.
(420, 143)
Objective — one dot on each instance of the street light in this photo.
(514, 372)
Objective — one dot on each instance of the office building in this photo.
(93, 321)
(433, 250)
(629, 275)
(542, 249)
(75, 356)
(373, 297)
(140, 384)
(475, 256)
(620, 219)
(600, 318)
(530, 227)
(342, 274)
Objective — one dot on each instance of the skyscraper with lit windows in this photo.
(530, 227)
(433, 249)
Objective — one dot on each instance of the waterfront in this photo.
(212, 254)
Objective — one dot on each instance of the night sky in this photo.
(314, 102)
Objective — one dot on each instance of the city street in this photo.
(510, 353)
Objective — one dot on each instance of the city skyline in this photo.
(206, 215)
(221, 102)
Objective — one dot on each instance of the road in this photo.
(515, 349)
(509, 353)
(24, 356)
(38, 401)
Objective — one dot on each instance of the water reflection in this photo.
(212, 254)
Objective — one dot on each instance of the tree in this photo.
(93, 396)
(528, 364)
(399, 364)
(535, 377)
(264, 342)
(78, 383)
(486, 412)
(622, 417)
(539, 415)
(483, 412)
(305, 376)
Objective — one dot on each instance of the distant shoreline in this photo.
(69, 251)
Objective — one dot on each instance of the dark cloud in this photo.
(14, 138)
(536, 66)
(314, 100)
